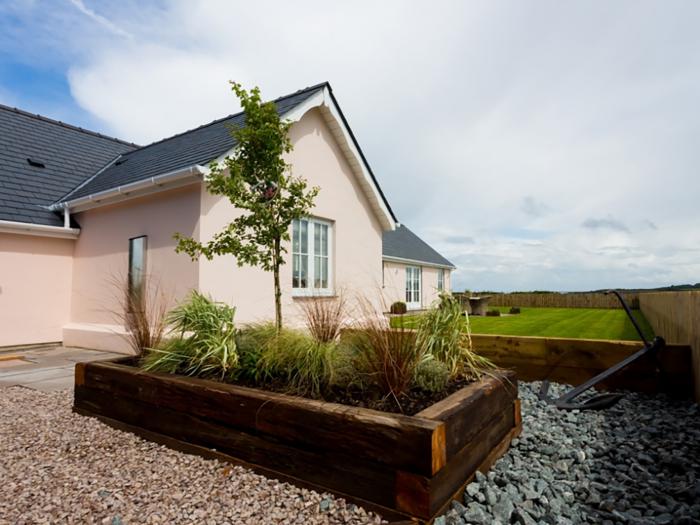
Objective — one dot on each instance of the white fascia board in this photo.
(413, 262)
(40, 230)
(323, 99)
(170, 180)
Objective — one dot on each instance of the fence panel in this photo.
(676, 317)
(561, 300)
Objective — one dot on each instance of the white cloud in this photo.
(101, 20)
(519, 122)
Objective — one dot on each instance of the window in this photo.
(311, 256)
(413, 285)
(441, 280)
(137, 265)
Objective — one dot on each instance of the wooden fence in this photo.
(574, 361)
(675, 316)
(562, 300)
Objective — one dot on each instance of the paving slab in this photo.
(48, 369)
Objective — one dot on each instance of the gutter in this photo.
(416, 262)
(134, 189)
(41, 230)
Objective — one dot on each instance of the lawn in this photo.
(577, 323)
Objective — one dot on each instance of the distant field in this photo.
(577, 323)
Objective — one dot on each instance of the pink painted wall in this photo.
(35, 284)
(101, 256)
(357, 233)
(395, 283)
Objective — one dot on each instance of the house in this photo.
(82, 213)
(412, 271)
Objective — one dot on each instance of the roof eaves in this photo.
(419, 262)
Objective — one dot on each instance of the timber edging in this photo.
(400, 466)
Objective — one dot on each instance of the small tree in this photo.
(257, 181)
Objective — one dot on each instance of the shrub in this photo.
(205, 344)
(250, 342)
(432, 375)
(142, 312)
(325, 317)
(514, 310)
(443, 333)
(398, 308)
(384, 357)
(493, 313)
(305, 365)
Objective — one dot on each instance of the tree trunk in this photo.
(278, 290)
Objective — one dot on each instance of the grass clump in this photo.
(443, 332)
(514, 310)
(493, 313)
(386, 358)
(306, 366)
(204, 343)
(325, 317)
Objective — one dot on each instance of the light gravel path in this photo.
(57, 467)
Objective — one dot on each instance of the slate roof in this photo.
(402, 243)
(69, 154)
(197, 146)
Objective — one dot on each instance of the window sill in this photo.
(311, 294)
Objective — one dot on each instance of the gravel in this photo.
(635, 463)
(59, 467)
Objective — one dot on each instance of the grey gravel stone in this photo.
(635, 463)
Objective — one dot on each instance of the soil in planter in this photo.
(409, 404)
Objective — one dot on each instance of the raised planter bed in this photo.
(400, 466)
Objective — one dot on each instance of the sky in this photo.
(537, 145)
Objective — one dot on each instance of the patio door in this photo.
(413, 287)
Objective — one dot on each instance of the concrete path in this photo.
(47, 368)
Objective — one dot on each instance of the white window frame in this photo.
(441, 280)
(310, 291)
(414, 304)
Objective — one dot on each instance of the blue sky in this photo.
(554, 144)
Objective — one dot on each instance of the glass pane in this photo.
(295, 271)
(317, 239)
(409, 284)
(317, 272)
(137, 263)
(324, 239)
(303, 277)
(304, 237)
(295, 236)
(324, 272)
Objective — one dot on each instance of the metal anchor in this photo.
(606, 400)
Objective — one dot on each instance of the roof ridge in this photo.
(216, 121)
(65, 125)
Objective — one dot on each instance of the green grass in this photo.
(577, 323)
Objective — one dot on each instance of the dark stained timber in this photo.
(398, 465)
